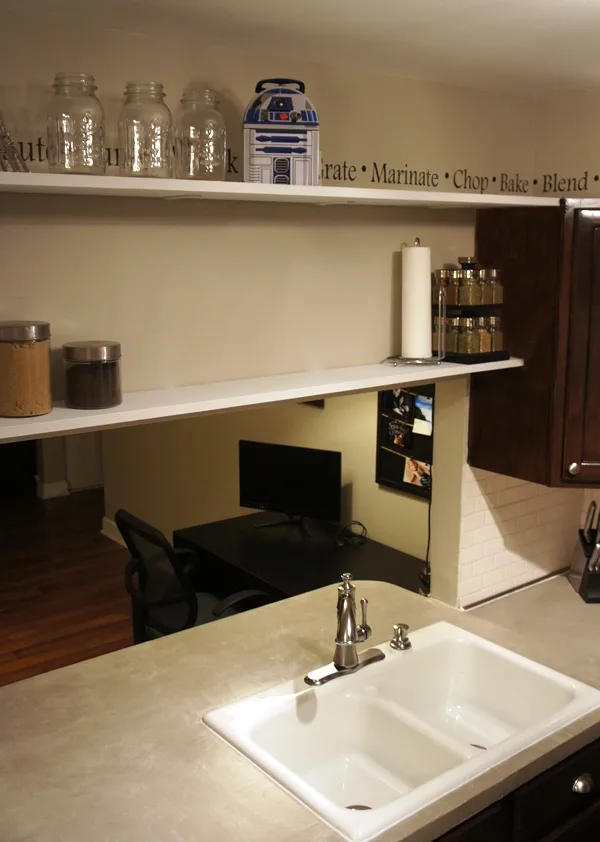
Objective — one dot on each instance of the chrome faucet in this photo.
(345, 657)
(348, 632)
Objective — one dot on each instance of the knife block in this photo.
(583, 580)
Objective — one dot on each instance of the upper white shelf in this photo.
(210, 398)
(170, 188)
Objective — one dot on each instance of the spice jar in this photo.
(468, 338)
(25, 369)
(452, 327)
(484, 286)
(441, 279)
(485, 338)
(469, 291)
(452, 290)
(496, 287)
(92, 374)
(496, 335)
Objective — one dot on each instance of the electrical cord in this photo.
(426, 571)
(347, 536)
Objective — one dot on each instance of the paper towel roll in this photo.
(416, 302)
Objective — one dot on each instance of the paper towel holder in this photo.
(439, 358)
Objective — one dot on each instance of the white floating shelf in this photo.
(170, 188)
(210, 398)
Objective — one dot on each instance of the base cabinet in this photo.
(560, 805)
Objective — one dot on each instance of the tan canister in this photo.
(25, 369)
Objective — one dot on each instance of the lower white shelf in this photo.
(210, 398)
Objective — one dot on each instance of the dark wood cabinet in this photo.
(542, 423)
(491, 825)
(550, 808)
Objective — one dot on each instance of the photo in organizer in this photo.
(399, 433)
(423, 416)
(417, 473)
(402, 404)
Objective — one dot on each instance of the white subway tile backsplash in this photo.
(466, 540)
(485, 533)
(512, 532)
(472, 522)
(471, 554)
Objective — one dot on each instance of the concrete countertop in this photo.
(114, 749)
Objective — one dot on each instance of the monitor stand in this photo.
(291, 520)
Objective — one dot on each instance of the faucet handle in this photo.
(364, 629)
(400, 640)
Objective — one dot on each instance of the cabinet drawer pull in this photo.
(584, 784)
(575, 467)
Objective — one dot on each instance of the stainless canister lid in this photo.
(24, 331)
(92, 351)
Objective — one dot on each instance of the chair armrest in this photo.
(239, 599)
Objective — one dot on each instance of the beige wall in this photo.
(186, 472)
(567, 139)
(206, 291)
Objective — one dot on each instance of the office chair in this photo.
(158, 578)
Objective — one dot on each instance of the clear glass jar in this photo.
(145, 132)
(496, 287)
(485, 337)
(496, 336)
(452, 326)
(25, 369)
(75, 126)
(469, 291)
(486, 286)
(453, 288)
(92, 374)
(200, 137)
(468, 338)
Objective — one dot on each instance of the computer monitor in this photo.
(295, 481)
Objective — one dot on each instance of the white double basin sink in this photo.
(368, 750)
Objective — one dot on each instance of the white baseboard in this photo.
(111, 531)
(48, 490)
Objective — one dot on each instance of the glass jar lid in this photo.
(24, 331)
(92, 351)
(466, 323)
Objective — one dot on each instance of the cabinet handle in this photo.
(575, 467)
(584, 784)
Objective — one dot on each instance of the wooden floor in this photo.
(61, 585)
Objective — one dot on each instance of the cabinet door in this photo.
(491, 825)
(581, 451)
(585, 828)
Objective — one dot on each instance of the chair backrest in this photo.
(163, 597)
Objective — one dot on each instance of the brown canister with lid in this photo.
(25, 369)
(92, 374)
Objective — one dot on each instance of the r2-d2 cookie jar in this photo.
(281, 135)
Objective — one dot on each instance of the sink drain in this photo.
(358, 807)
(475, 745)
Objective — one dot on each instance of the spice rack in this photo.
(472, 328)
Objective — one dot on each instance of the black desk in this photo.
(284, 561)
